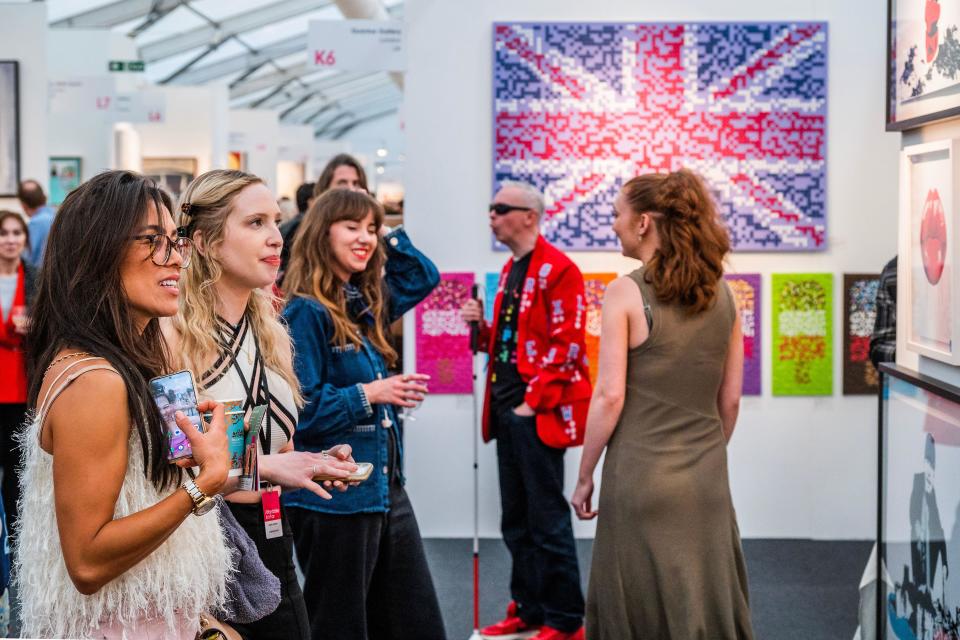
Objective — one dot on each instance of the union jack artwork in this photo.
(581, 108)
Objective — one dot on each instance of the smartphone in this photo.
(364, 469)
(172, 393)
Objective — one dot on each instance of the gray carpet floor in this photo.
(799, 589)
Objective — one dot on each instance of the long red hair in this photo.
(688, 266)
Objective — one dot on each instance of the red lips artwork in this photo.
(933, 237)
(932, 15)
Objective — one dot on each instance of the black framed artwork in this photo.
(923, 62)
(918, 522)
(9, 128)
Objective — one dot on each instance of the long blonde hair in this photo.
(309, 274)
(202, 213)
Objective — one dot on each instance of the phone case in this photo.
(364, 469)
(171, 393)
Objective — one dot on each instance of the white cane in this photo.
(474, 348)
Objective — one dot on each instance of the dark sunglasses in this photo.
(502, 209)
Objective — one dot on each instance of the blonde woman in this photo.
(228, 334)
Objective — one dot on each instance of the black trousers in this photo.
(11, 419)
(536, 526)
(289, 620)
(366, 575)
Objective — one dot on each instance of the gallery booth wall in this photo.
(23, 38)
(800, 467)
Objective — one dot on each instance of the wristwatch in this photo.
(202, 503)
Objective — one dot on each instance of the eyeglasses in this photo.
(162, 246)
(502, 209)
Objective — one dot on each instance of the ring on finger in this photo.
(315, 470)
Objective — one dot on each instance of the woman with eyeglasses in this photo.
(229, 335)
(361, 553)
(114, 541)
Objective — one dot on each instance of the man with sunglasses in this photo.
(537, 395)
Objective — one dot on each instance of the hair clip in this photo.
(183, 232)
(185, 208)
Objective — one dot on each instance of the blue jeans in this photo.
(536, 526)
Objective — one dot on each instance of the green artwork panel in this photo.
(802, 334)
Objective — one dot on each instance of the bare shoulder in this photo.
(96, 399)
(623, 290)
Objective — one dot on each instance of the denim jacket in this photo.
(331, 377)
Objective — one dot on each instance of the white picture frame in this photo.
(929, 195)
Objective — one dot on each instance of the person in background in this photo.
(361, 554)
(228, 333)
(17, 290)
(34, 203)
(667, 559)
(537, 395)
(883, 342)
(342, 172)
(114, 540)
(287, 229)
(288, 210)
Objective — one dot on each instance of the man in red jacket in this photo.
(537, 395)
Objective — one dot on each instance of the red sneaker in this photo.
(549, 633)
(510, 628)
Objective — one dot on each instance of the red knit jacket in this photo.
(551, 356)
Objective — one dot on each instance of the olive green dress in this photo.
(667, 561)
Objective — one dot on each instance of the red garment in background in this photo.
(13, 366)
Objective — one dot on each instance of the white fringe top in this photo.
(184, 577)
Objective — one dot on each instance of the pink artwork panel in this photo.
(443, 339)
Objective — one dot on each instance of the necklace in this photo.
(66, 357)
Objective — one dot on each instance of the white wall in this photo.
(256, 132)
(195, 126)
(294, 148)
(799, 467)
(86, 133)
(23, 29)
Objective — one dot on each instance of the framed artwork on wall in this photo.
(64, 177)
(859, 317)
(918, 524)
(927, 199)
(923, 62)
(580, 107)
(802, 355)
(171, 174)
(747, 292)
(9, 128)
(443, 338)
(595, 286)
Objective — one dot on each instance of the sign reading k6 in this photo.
(357, 45)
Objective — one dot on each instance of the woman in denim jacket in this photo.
(361, 553)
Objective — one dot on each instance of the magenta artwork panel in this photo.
(443, 339)
(746, 292)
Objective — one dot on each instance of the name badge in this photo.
(270, 498)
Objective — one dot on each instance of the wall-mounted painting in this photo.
(594, 286)
(919, 499)
(171, 174)
(859, 316)
(923, 62)
(802, 334)
(9, 128)
(443, 338)
(747, 291)
(580, 107)
(64, 177)
(928, 193)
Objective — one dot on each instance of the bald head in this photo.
(31, 196)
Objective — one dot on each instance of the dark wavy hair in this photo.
(81, 304)
(687, 267)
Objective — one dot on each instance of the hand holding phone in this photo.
(209, 448)
(364, 469)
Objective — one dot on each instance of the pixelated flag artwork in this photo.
(746, 290)
(802, 334)
(594, 285)
(859, 315)
(491, 283)
(443, 338)
(579, 108)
